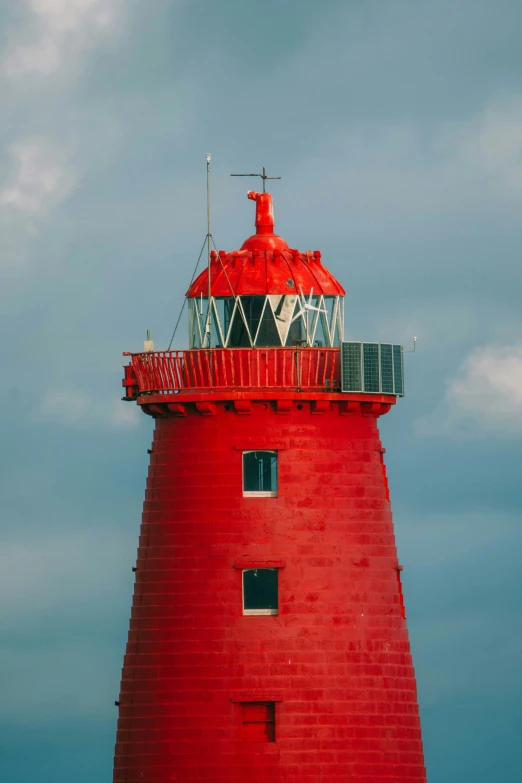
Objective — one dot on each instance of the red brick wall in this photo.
(335, 661)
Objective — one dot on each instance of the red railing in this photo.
(168, 372)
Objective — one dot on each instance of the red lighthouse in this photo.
(268, 640)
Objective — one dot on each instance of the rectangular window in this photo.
(260, 473)
(258, 721)
(260, 591)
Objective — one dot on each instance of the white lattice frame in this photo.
(198, 320)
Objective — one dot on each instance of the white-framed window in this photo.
(260, 591)
(260, 474)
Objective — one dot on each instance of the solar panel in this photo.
(398, 370)
(386, 368)
(371, 367)
(351, 376)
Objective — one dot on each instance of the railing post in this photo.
(130, 383)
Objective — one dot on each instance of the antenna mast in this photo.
(209, 324)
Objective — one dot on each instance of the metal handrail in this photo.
(170, 372)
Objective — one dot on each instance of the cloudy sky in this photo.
(396, 126)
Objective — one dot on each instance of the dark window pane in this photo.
(238, 333)
(252, 308)
(268, 334)
(228, 308)
(217, 341)
(224, 307)
(254, 316)
(260, 588)
(321, 338)
(260, 471)
(194, 338)
(297, 332)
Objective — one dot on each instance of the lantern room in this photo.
(265, 294)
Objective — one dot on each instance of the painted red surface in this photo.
(266, 271)
(230, 368)
(331, 675)
(336, 659)
(264, 214)
(265, 265)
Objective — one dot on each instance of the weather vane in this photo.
(263, 176)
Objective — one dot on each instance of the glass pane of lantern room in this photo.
(202, 315)
(228, 306)
(217, 340)
(253, 308)
(329, 305)
(337, 328)
(219, 312)
(224, 307)
(297, 331)
(283, 307)
(321, 337)
(194, 323)
(268, 333)
(238, 333)
(331, 324)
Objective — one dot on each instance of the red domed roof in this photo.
(265, 265)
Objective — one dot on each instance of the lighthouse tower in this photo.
(268, 639)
